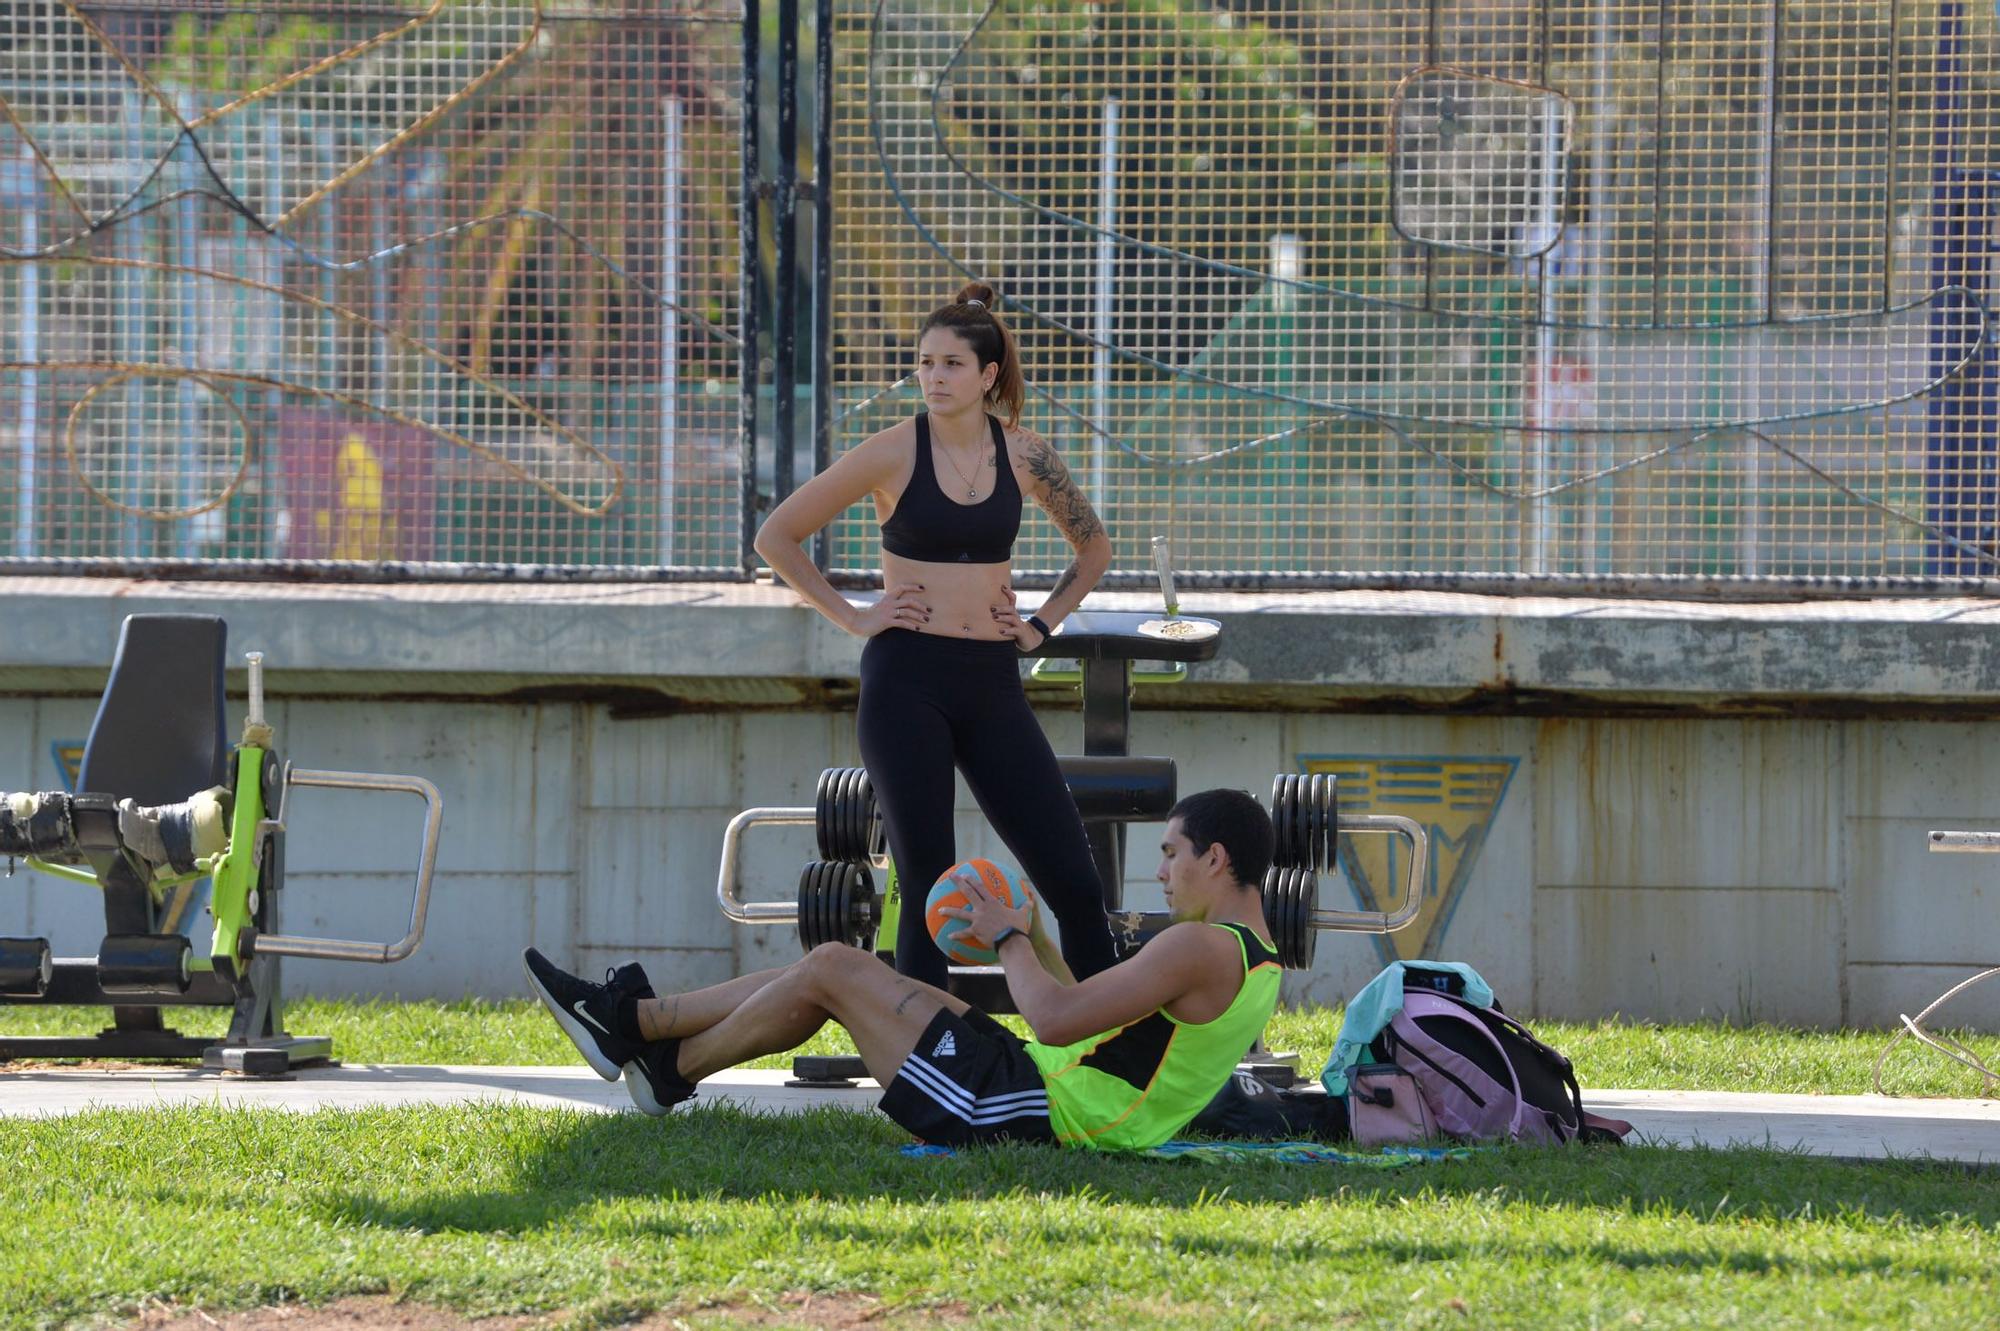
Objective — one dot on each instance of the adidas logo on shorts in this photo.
(946, 1047)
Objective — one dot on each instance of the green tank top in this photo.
(1135, 1087)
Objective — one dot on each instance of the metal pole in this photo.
(273, 497)
(187, 335)
(440, 388)
(1107, 222)
(378, 273)
(1959, 415)
(31, 352)
(1107, 728)
(1763, 277)
(1543, 381)
(1663, 35)
(784, 218)
(134, 325)
(325, 331)
(1600, 513)
(822, 292)
(670, 343)
(747, 243)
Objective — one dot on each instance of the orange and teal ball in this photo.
(951, 934)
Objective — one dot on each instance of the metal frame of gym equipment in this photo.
(837, 899)
(157, 753)
(1976, 843)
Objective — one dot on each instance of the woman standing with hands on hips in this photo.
(940, 683)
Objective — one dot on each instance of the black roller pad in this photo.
(25, 966)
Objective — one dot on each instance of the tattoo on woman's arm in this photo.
(1062, 584)
(1065, 503)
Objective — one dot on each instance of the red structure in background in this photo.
(354, 487)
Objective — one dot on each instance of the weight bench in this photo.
(165, 801)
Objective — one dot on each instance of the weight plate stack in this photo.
(808, 900)
(849, 816)
(1291, 895)
(858, 908)
(824, 831)
(844, 816)
(1305, 814)
(836, 904)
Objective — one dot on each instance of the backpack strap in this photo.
(1421, 1003)
(1598, 1128)
(1563, 1064)
(1590, 1127)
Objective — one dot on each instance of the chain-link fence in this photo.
(363, 283)
(1587, 288)
(1575, 287)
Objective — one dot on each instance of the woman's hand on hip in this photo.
(1008, 619)
(901, 607)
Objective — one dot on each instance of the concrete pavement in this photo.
(1851, 1126)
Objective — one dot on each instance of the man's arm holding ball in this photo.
(1061, 1012)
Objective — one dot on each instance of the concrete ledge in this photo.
(730, 646)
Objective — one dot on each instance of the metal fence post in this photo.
(822, 292)
(747, 243)
(785, 281)
(1960, 418)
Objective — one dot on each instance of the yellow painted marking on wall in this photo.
(1456, 799)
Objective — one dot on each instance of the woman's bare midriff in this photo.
(961, 597)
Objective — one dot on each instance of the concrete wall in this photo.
(1668, 866)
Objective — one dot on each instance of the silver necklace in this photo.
(971, 486)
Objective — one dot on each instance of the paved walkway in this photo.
(1869, 1126)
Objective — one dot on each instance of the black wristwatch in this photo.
(1040, 627)
(1006, 934)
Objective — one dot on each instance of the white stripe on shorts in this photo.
(963, 1104)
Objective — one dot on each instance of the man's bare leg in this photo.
(883, 1011)
(681, 1015)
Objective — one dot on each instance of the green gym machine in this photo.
(165, 800)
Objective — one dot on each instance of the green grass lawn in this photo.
(713, 1215)
(716, 1217)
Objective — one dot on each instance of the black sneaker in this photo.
(654, 1078)
(587, 1012)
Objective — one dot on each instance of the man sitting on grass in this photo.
(1120, 1061)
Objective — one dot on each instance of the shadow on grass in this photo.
(584, 1160)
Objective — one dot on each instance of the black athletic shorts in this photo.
(969, 1080)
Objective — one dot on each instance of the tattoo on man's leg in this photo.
(906, 1001)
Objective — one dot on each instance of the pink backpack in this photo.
(1484, 1076)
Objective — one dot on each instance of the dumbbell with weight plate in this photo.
(1291, 895)
(845, 820)
(836, 904)
(1305, 814)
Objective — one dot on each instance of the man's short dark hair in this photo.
(1235, 819)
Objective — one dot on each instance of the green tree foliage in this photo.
(240, 51)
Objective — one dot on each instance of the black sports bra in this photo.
(929, 527)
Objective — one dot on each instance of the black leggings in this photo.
(929, 702)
